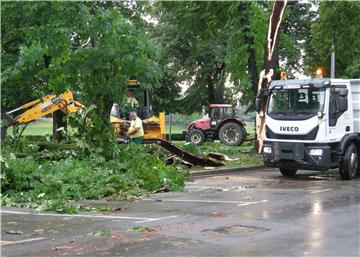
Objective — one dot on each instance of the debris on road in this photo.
(13, 232)
(218, 214)
(100, 233)
(192, 159)
(63, 247)
(162, 190)
(120, 208)
(144, 229)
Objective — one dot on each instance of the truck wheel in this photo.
(287, 172)
(195, 136)
(350, 164)
(232, 134)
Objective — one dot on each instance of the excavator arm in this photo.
(41, 107)
(268, 72)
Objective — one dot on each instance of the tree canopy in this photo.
(338, 26)
(205, 42)
(89, 47)
(93, 48)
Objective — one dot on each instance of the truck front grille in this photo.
(309, 136)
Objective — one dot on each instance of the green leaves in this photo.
(90, 48)
(204, 44)
(338, 24)
(51, 183)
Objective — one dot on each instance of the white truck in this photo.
(313, 124)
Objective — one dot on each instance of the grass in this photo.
(43, 126)
(175, 128)
(39, 127)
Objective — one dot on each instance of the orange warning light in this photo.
(318, 73)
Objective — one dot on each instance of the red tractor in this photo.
(222, 124)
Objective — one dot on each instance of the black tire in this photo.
(288, 172)
(349, 167)
(232, 134)
(195, 136)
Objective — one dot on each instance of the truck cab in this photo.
(313, 124)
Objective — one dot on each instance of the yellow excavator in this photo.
(39, 108)
(154, 127)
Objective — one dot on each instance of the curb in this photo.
(226, 171)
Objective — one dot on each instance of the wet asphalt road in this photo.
(251, 213)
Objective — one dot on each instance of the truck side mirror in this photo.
(257, 104)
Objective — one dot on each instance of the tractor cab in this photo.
(219, 112)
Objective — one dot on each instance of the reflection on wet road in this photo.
(252, 213)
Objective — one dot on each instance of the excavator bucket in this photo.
(6, 122)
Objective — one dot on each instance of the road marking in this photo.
(320, 191)
(249, 203)
(139, 219)
(244, 188)
(239, 203)
(156, 219)
(212, 188)
(15, 212)
(3, 243)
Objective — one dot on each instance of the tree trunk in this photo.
(58, 116)
(271, 63)
(220, 93)
(274, 64)
(249, 41)
(219, 80)
(58, 122)
(210, 90)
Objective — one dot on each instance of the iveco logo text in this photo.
(289, 128)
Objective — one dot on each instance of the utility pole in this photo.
(332, 72)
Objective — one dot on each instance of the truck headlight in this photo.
(316, 152)
(267, 149)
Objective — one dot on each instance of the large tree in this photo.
(338, 26)
(205, 42)
(89, 47)
(295, 39)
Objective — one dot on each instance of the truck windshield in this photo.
(296, 101)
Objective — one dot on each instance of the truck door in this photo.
(339, 116)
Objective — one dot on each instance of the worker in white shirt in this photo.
(136, 130)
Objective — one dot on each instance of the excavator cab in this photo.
(143, 97)
(154, 127)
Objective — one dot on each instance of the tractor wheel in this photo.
(232, 134)
(195, 136)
